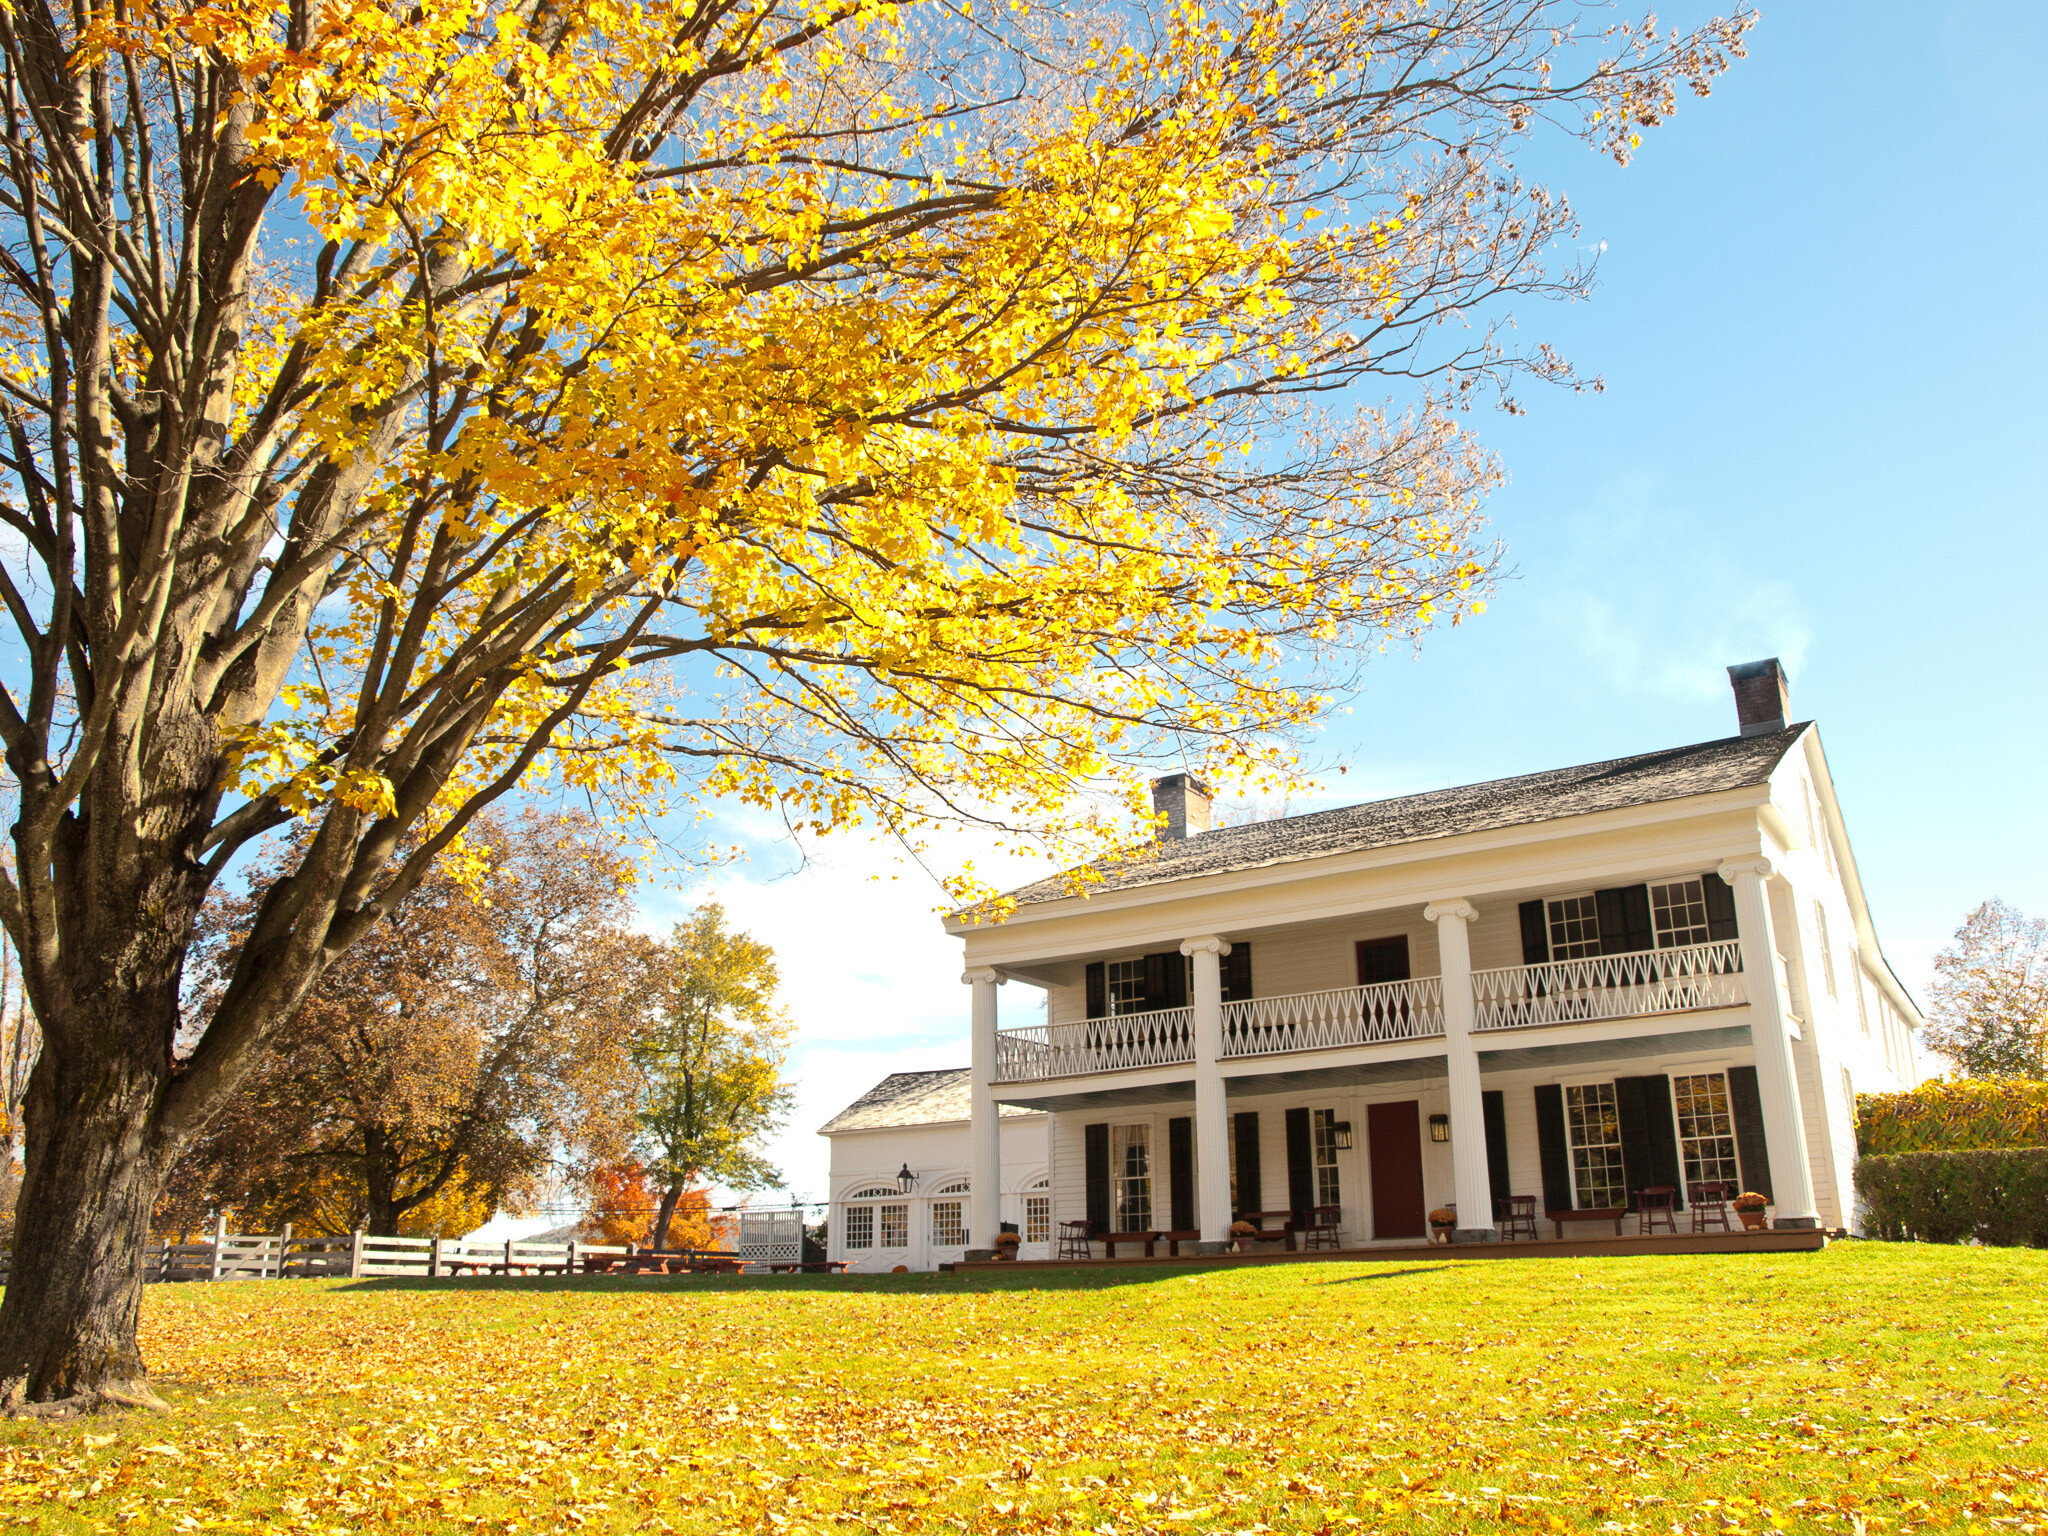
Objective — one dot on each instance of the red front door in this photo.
(1393, 1143)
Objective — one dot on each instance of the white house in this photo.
(1654, 972)
(900, 1180)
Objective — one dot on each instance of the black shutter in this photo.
(1237, 973)
(1244, 1129)
(1095, 1141)
(1301, 1180)
(1557, 1164)
(1649, 1140)
(1166, 980)
(1180, 1170)
(1098, 990)
(1496, 1110)
(1751, 1150)
(1624, 920)
(1720, 907)
(1535, 933)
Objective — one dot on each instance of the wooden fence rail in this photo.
(282, 1256)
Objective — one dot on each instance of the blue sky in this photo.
(1823, 329)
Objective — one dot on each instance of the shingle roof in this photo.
(1735, 762)
(913, 1098)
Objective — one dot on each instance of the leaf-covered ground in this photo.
(1868, 1388)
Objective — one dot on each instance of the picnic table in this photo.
(1613, 1213)
(808, 1266)
(500, 1267)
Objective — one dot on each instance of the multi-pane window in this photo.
(860, 1226)
(1038, 1218)
(894, 1224)
(1574, 928)
(1323, 1142)
(1126, 980)
(949, 1228)
(1678, 910)
(1706, 1128)
(1827, 950)
(1130, 1176)
(1593, 1127)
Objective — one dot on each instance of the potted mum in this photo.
(1442, 1222)
(1244, 1235)
(1006, 1245)
(1749, 1205)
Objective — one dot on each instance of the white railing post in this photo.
(1212, 1114)
(1777, 1076)
(434, 1260)
(355, 1254)
(1473, 1185)
(984, 1134)
(220, 1238)
(284, 1251)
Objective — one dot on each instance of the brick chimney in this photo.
(1760, 696)
(1183, 800)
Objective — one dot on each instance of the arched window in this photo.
(957, 1187)
(877, 1226)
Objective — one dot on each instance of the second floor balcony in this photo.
(1640, 984)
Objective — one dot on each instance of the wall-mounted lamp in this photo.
(905, 1179)
(1340, 1135)
(1439, 1127)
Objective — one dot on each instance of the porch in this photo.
(1628, 1245)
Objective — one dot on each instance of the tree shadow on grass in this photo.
(1386, 1274)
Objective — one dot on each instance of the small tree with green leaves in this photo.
(710, 1049)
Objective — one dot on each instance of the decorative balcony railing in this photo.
(1037, 1051)
(1649, 981)
(1308, 1021)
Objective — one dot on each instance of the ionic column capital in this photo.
(1207, 944)
(986, 975)
(1457, 907)
(1757, 865)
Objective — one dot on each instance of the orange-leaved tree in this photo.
(878, 411)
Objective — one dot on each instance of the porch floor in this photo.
(1542, 1248)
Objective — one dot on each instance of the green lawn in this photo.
(1867, 1388)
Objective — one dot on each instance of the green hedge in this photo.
(1943, 1197)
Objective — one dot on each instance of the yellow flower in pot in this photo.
(1749, 1205)
(1442, 1221)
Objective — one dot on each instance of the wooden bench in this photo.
(1109, 1240)
(809, 1266)
(1282, 1233)
(1612, 1213)
(1180, 1235)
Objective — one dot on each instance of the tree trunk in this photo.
(662, 1217)
(67, 1322)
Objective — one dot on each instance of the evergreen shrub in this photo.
(1999, 1196)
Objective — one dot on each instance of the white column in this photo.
(984, 1136)
(1468, 1110)
(1212, 1115)
(1777, 1078)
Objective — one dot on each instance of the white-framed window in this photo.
(1706, 1128)
(1592, 1125)
(1323, 1145)
(1678, 911)
(1038, 1218)
(1126, 986)
(949, 1225)
(860, 1226)
(1827, 949)
(893, 1226)
(1574, 927)
(1130, 1177)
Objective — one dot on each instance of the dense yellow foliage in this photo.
(1943, 1116)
